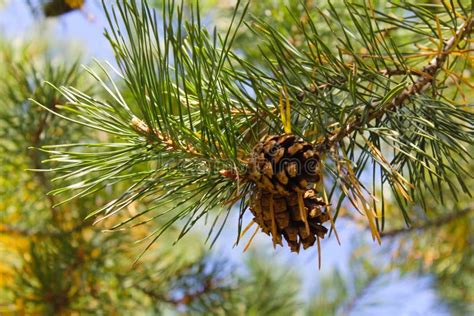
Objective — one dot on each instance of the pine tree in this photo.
(293, 115)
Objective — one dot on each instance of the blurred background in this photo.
(55, 262)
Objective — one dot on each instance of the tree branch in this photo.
(428, 73)
(426, 76)
(186, 299)
(443, 220)
(155, 136)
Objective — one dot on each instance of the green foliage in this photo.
(54, 262)
(186, 102)
(198, 107)
(24, 125)
(351, 79)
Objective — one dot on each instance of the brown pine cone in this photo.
(284, 168)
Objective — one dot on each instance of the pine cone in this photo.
(284, 204)
(55, 8)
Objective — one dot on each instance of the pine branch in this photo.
(438, 222)
(423, 81)
(186, 299)
(154, 137)
(196, 104)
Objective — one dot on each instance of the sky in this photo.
(392, 294)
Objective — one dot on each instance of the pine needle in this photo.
(302, 211)
(319, 252)
(251, 239)
(285, 110)
(328, 210)
(247, 228)
(244, 231)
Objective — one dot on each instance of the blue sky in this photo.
(391, 294)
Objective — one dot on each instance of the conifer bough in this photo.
(203, 129)
(427, 75)
(284, 202)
